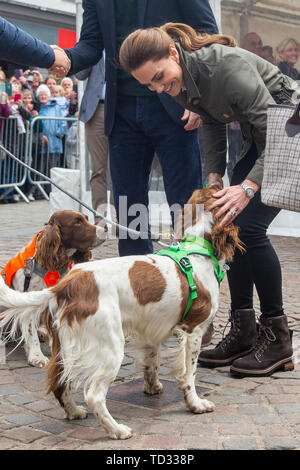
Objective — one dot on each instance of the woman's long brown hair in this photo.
(154, 43)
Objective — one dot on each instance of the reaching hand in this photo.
(193, 120)
(62, 63)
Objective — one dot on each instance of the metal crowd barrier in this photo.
(58, 149)
(15, 138)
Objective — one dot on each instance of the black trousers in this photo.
(259, 266)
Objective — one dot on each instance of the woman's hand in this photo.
(194, 120)
(231, 201)
(3, 97)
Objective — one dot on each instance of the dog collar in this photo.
(192, 245)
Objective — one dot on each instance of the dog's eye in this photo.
(78, 221)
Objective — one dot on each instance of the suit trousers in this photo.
(142, 128)
(97, 143)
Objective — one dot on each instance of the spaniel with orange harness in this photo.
(44, 260)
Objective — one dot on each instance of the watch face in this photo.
(250, 192)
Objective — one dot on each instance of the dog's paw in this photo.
(38, 361)
(153, 389)
(80, 412)
(202, 406)
(123, 432)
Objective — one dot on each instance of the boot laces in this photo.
(265, 337)
(233, 329)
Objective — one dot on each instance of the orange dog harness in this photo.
(25, 260)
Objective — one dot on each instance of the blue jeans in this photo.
(142, 127)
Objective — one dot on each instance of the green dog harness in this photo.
(192, 245)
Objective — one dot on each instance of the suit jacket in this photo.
(19, 47)
(94, 90)
(99, 31)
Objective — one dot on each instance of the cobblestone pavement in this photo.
(250, 414)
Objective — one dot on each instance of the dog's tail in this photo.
(20, 310)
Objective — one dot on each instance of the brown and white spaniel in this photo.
(67, 239)
(97, 304)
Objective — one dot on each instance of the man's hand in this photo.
(194, 120)
(62, 63)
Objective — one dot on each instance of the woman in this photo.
(287, 53)
(53, 130)
(51, 84)
(223, 83)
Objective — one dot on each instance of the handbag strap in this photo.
(292, 126)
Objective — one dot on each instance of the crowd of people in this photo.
(26, 95)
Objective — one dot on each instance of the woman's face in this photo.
(67, 85)
(291, 54)
(27, 99)
(164, 75)
(51, 83)
(16, 86)
(43, 98)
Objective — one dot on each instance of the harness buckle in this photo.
(185, 263)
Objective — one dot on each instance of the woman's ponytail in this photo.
(191, 41)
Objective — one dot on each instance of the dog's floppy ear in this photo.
(50, 253)
(225, 240)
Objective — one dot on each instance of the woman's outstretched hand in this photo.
(231, 201)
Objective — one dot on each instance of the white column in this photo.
(216, 7)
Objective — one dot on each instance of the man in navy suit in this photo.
(137, 121)
(21, 48)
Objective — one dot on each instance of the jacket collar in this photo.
(192, 90)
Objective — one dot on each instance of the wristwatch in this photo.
(248, 190)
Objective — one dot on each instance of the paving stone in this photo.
(21, 399)
(274, 430)
(10, 390)
(51, 426)
(203, 443)
(286, 409)
(240, 444)
(216, 379)
(268, 390)
(236, 429)
(280, 443)
(40, 405)
(7, 379)
(266, 419)
(286, 375)
(6, 443)
(23, 434)
(21, 419)
(163, 442)
(88, 434)
(254, 410)
(226, 418)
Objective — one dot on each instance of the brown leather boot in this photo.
(238, 342)
(272, 352)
